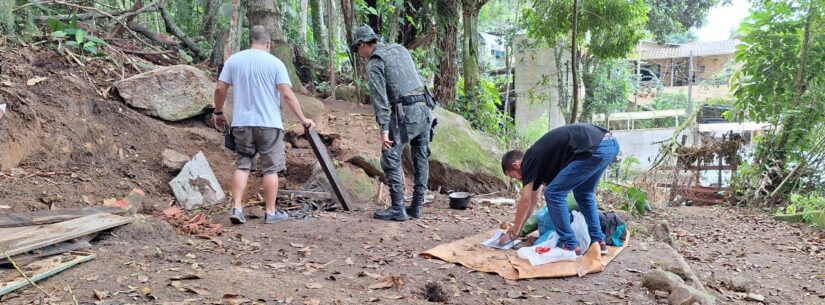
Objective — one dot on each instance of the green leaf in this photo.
(72, 43)
(58, 34)
(185, 55)
(73, 22)
(71, 31)
(91, 49)
(79, 36)
(96, 40)
(56, 25)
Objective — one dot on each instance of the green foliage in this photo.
(680, 37)
(635, 200)
(666, 101)
(608, 85)
(669, 17)
(526, 137)
(483, 112)
(610, 29)
(807, 205)
(770, 88)
(723, 77)
(74, 37)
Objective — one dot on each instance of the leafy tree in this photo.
(669, 17)
(781, 83)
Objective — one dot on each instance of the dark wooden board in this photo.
(42, 217)
(19, 240)
(329, 169)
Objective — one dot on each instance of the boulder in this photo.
(312, 108)
(196, 185)
(360, 186)
(174, 160)
(465, 159)
(347, 93)
(171, 93)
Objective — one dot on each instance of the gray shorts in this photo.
(268, 142)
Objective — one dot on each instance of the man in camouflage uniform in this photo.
(398, 97)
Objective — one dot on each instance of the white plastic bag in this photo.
(546, 252)
(580, 229)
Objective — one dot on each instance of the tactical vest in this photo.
(399, 71)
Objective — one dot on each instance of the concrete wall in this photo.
(704, 68)
(536, 84)
(640, 144)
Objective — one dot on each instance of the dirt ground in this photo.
(83, 147)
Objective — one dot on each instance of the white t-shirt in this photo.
(254, 76)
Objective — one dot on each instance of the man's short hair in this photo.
(258, 34)
(509, 158)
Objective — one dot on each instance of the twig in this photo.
(23, 274)
(110, 16)
(139, 52)
(71, 292)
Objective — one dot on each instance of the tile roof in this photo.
(652, 50)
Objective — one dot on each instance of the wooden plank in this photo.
(329, 168)
(306, 194)
(59, 248)
(14, 241)
(45, 268)
(22, 219)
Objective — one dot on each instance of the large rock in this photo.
(196, 185)
(360, 186)
(171, 93)
(312, 108)
(464, 159)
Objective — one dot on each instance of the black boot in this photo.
(395, 212)
(414, 210)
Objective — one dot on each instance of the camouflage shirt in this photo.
(392, 75)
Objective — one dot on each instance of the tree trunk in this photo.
(316, 8)
(330, 25)
(302, 28)
(394, 23)
(212, 11)
(232, 39)
(349, 18)
(266, 13)
(575, 62)
(470, 12)
(447, 76)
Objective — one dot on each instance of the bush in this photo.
(484, 114)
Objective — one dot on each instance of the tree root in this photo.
(679, 280)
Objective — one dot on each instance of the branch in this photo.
(153, 7)
(107, 15)
(190, 44)
(145, 32)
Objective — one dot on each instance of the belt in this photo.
(411, 99)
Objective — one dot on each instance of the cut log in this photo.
(43, 269)
(44, 217)
(329, 168)
(14, 241)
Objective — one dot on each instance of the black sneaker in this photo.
(236, 216)
(603, 248)
(275, 217)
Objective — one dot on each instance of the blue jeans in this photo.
(581, 177)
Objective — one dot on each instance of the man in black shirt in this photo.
(568, 158)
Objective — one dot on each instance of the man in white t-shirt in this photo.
(257, 77)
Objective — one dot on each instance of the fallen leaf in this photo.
(436, 237)
(755, 297)
(516, 295)
(100, 295)
(143, 278)
(313, 302)
(394, 297)
(146, 290)
(176, 284)
(349, 261)
(35, 81)
(381, 285)
(5, 207)
(314, 286)
(294, 245)
(8, 84)
(373, 299)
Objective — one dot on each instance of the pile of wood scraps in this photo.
(42, 243)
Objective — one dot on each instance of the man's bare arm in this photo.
(292, 101)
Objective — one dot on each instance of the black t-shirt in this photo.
(550, 154)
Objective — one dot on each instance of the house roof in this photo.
(652, 50)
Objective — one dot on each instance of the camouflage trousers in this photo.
(415, 131)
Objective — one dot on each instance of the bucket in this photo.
(460, 200)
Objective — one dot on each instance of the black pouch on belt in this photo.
(229, 139)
